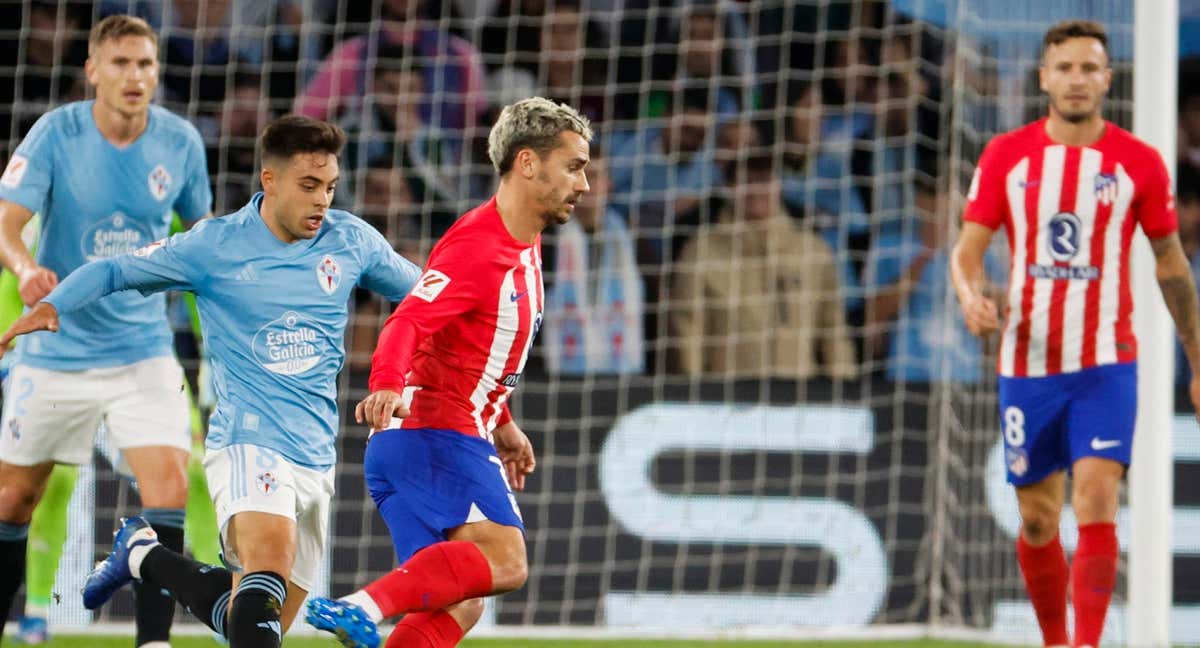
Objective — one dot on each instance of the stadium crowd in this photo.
(772, 193)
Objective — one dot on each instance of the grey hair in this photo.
(533, 123)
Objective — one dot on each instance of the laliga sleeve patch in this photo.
(15, 171)
(149, 248)
(430, 285)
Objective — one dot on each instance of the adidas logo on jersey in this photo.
(247, 273)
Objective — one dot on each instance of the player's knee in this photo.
(168, 491)
(1039, 523)
(467, 613)
(1095, 501)
(510, 573)
(17, 501)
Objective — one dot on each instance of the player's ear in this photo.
(526, 163)
(267, 178)
(89, 70)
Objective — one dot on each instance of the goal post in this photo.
(1151, 497)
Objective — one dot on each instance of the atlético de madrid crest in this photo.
(329, 274)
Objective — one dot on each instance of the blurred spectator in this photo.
(705, 57)
(394, 202)
(756, 294)
(1189, 113)
(593, 317)
(200, 38)
(911, 311)
(1187, 205)
(664, 170)
(710, 52)
(451, 69)
(563, 57)
(232, 138)
(54, 36)
(819, 184)
(390, 125)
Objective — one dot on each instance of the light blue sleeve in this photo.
(175, 263)
(179, 262)
(384, 271)
(30, 172)
(196, 198)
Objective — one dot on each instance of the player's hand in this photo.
(981, 315)
(42, 317)
(516, 452)
(35, 283)
(377, 409)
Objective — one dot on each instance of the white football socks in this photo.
(138, 554)
(368, 604)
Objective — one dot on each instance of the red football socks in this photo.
(426, 630)
(436, 576)
(1046, 573)
(1093, 576)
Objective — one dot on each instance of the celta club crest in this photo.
(159, 182)
(329, 274)
(267, 483)
(1106, 188)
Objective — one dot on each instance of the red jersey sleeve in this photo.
(1153, 204)
(985, 198)
(445, 290)
(505, 416)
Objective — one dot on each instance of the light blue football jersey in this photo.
(99, 201)
(273, 316)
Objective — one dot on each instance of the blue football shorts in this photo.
(1051, 422)
(427, 482)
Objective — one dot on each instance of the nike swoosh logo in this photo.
(517, 295)
(1097, 444)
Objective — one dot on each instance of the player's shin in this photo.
(203, 590)
(12, 565)
(254, 619)
(1046, 574)
(435, 577)
(1093, 576)
(47, 536)
(155, 608)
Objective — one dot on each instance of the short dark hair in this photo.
(292, 134)
(1075, 29)
(119, 26)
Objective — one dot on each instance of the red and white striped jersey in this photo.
(458, 342)
(1070, 213)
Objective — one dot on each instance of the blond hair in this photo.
(533, 123)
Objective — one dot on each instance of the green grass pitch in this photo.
(310, 642)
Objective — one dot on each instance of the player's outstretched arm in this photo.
(42, 317)
(967, 272)
(1174, 276)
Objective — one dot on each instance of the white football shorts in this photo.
(246, 477)
(54, 415)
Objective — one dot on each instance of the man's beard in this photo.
(1075, 117)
